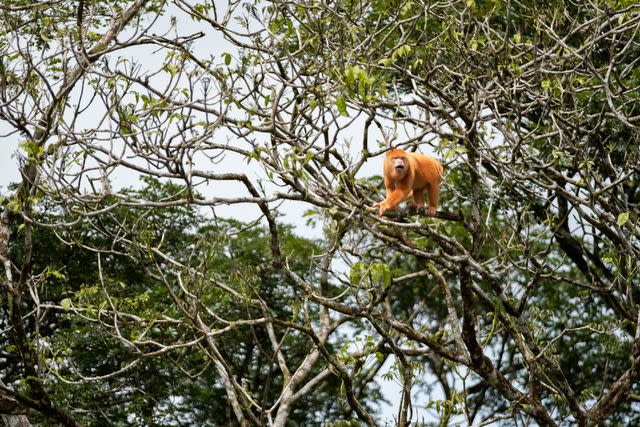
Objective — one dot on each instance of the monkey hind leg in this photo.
(434, 193)
(418, 197)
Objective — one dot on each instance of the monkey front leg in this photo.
(394, 198)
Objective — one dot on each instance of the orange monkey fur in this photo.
(407, 174)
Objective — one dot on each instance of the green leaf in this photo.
(55, 273)
(381, 274)
(349, 76)
(404, 10)
(341, 103)
(622, 218)
(362, 87)
(400, 52)
(355, 276)
(66, 304)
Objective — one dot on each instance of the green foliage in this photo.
(132, 299)
(369, 275)
(90, 288)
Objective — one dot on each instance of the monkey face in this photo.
(399, 165)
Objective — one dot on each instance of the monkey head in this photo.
(399, 162)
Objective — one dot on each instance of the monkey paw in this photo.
(382, 207)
